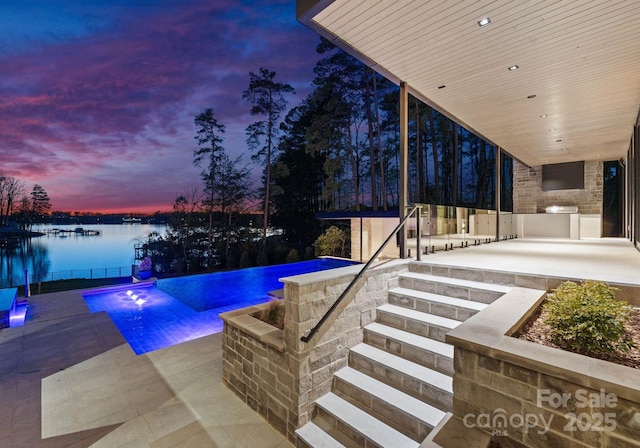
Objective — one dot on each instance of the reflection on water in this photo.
(28, 254)
(106, 251)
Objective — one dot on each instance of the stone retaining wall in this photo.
(276, 373)
(253, 367)
(529, 395)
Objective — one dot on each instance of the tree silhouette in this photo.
(267, 98)
(209, 136)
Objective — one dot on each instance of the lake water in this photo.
(72, 255)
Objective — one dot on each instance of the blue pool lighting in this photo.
(177, 310)
(16, 318)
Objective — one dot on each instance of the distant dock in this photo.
(77, 231)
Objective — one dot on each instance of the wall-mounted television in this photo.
(563, 176)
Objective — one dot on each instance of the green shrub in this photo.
(332, 242)
(262, 259)
(309, 253)
(586, 318)
(292, 256)
(232, 260)
(245, 260)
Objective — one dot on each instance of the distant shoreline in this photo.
(7, 233)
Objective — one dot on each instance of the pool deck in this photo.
(69, 379)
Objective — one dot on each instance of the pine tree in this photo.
(267, 98)
(210, 150)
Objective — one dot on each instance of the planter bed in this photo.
(526, 394)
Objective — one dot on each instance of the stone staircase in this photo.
(398, 384)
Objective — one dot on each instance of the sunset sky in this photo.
(98, 97)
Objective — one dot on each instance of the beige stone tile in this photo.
(58, 410)
(197, 379)
(58, 423)
(102, 361)
(190, 436)
(102, 407)
(96, 377)
(254, 434)
(170, 417)
(173, 361)
(140, 372)
(134, 433)
(148, 396)
(55, 390)
(98, 399)
(122, 355)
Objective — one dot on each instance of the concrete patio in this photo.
(69, 379)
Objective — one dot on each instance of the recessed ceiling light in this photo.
(552, 130)
(441, 87)
(558, 141)
(531, 97)
(513, 68)
(564, 149)
(543, 116)
(484, 22)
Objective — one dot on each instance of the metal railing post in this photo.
(418, 211)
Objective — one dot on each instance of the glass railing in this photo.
(71, 274)
(446, 227)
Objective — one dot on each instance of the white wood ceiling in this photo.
(580, 58)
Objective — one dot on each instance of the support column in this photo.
(361, 240)
(404, 169)
(631, 195)
(498, 189)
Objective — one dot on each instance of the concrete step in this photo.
(417, 322)
(359, 425)
(452, 287)
(445, 306)
(412, 417)
(312, 436)
(452, 432)
(428, 385)
(427, 352)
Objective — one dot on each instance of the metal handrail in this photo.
(358, 276)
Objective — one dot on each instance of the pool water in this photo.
(151, 317)
(226, 289)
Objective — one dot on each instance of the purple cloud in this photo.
(101, 114)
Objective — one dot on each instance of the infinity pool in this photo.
(180, 309)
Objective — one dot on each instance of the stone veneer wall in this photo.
(282, 381)
(253, 364)
(528, 196)
(501, 383)
(488, 386)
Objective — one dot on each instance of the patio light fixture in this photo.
(484, 22)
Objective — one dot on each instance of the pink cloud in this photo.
(99, 118)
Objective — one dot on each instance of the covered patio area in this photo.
(613, 260)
